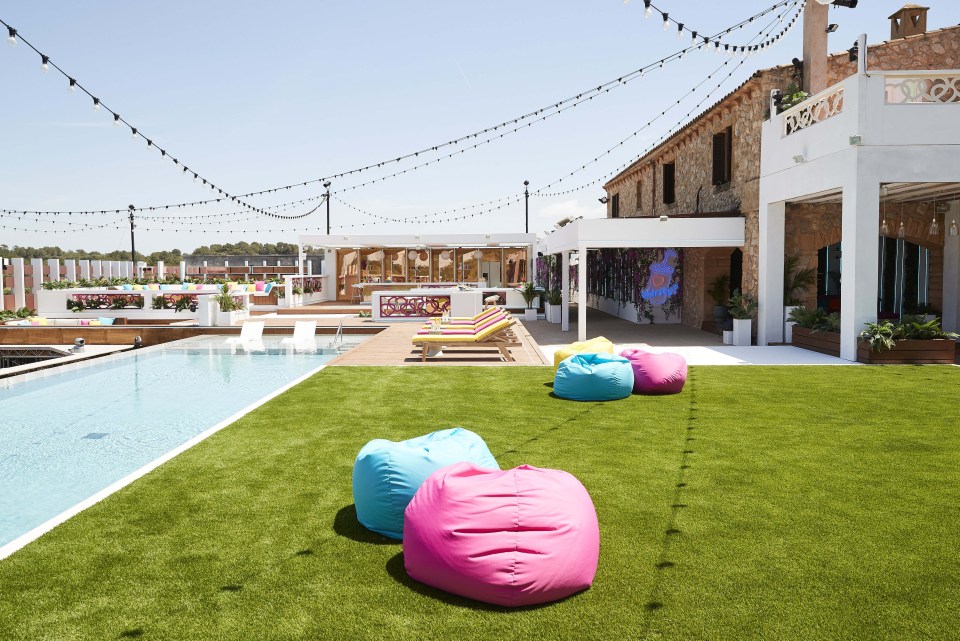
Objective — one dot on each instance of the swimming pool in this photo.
(68, 437)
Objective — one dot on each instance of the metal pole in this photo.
(526, 203)
(133, 247)
(327, 185)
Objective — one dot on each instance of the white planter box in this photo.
(728, 337)
(530, 314)
(788, 325)
(742, 334)
(228, 319)
(553, 312)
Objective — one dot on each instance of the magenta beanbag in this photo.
(656, 373)
(509, 537)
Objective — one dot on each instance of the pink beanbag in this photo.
(512, 538)
(656, 373)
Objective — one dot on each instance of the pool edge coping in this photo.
(8, 549)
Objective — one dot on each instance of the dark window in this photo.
(669, 183)
(615, 206)
(723, 156)
(639, 195)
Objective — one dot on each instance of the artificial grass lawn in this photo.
(761, 503)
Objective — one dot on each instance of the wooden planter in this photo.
(910, 352)
(905, 352)
(817, 341)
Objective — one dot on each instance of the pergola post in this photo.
(582, 293)
(565, 291)
(951, 280)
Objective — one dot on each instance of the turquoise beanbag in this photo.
(387, 474)
(593, 377)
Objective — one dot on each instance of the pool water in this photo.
(66, 436)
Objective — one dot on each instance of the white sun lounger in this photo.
(250, 332)
(304, 333)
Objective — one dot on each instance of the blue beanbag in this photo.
(593, 377)
(386, 474)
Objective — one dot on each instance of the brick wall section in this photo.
(691, 148)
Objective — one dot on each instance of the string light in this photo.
(647, 9)
(12, 36)
(44, 64)
(666, 21)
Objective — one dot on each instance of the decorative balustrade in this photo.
(176, 302)
(418, 305)
(82, 302)
(926, 89)
(813, 110)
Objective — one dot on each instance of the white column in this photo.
(226, 263)
(264, 263)
(582, 294)
(951, 280)
(246, 263)
(860, 224)
(84, 269)
(770, 281)
(3, 283)
(96, 268)
(19, 288)
(37, 265)
(183, 269)
(54, 265)
(71, 269)
(204, 263)
(565, 291)
(160, 270)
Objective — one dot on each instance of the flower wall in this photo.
(648, 280)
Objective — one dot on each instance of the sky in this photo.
(256, 95)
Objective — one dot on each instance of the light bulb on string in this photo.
(73, 86)
(954, 230)
(116, 120)
(647, 11)
(666, 21)
(96, 104)
(44, 63)
(693, 38)
(12, 36)
(679, 31)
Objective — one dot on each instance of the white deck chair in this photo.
(303, 334)
(250, 332)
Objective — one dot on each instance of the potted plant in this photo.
(230, 310)
(796, 283)
(553, 306)
(741, 308)
(529, 293)
(816, 330)
(719, 290)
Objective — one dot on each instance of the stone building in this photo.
(712, 167)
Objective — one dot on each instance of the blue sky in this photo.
(255, 95)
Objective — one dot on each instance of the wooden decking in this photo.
(394, 346)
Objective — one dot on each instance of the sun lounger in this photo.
(482, 320)
(250, 332)
(498, 334)
(304, 333)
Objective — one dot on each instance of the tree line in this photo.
(167, 256)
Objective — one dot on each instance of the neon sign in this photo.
(659, 288)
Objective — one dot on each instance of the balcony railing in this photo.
(921, 88)
(824, 105)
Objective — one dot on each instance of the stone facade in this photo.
(640, 189)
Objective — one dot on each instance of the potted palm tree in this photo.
(796, 283)
(741, 308)
(529, 293)
(230, 309)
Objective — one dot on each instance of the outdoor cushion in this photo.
(126, 287)
(387, 474)
(153, 287)
(166, 287)
(592, 346)
(593, 377)
(656, 373)
(103, 320)
(259, 285)
(512, 538)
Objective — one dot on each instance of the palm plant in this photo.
(796, 282)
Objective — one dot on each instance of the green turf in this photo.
(761, 503)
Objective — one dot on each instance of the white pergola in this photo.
(605, 233)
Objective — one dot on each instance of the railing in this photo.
(415, 306)
(338, 337)
(918, 89)
(822, 106)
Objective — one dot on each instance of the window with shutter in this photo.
(669, 183)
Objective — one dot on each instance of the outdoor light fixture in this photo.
(884, 227)
(664, 218)
(856, 140)
(603, 200)
(647, 11)
(953, 228)
(832, 27)
(45, 63)
(12, 37)
(799, 159)
(902, 231)
(666, 21)
(850, 4)
(934, 227)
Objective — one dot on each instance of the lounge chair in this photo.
(304, 333)
(250, 332)
(496, 334)
(468, 324)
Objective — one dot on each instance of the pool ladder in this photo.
(338, 337)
